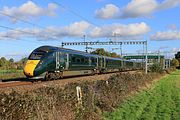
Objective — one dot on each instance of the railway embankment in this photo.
(81, 100)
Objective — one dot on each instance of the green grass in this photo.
(10, 74)
(161, 102)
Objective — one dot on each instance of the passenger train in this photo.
(51, 63)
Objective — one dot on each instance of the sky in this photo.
(28, 24)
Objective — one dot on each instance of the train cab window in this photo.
(36, 55)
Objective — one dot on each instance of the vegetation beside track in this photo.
(54, 102)
(162, 102)
(10, 69)
(11, 74)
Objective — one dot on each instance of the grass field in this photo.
(161, 102)
(10, 74)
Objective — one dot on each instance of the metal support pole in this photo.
(164, 63)
(84, 36)
(121, 50)
(159, 56)
(146, 58)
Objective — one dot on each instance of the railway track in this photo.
(24, 81)
(12, 84)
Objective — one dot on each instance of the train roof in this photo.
(53, 49)
(46, 49)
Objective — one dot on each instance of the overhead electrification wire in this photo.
(73, 12)
(25, 21)
(17, 30)
(19, 19)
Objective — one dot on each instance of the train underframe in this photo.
(54, 75)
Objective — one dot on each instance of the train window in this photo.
(92, 60)
(36, 55)
(62, 59)
(78, 60)
(82, 60)
(86, 60)
(106, 61)
(73, 59)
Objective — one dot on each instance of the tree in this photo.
(24, 60)
(113, 54)
(177, 56)
(20, 64)
(175, 62)
(11, 60)
(101, 51)
(3, 62)
(156, 67)
(11, 64)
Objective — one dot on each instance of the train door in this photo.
(124, 65)
(63, 61)
(100, 62)
(67, 62)
(57, 62)
(104, 62)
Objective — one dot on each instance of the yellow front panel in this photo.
(30, 66)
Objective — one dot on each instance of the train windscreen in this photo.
(36, 55)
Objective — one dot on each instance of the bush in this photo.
(156, 68)
(175, 62)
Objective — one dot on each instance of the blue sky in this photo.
(155, 20)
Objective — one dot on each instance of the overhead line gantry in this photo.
(110, 43)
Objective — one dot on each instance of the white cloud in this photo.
(78, 29)
(135, 9)
(109, 11)
(73, 30)
(138, 8)
(124, 31)
(168, 4)
(166, 35)
(30, 10)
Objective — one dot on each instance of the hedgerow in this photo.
(53, 102)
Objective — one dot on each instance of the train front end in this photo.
(34, 66)
(30, 67)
